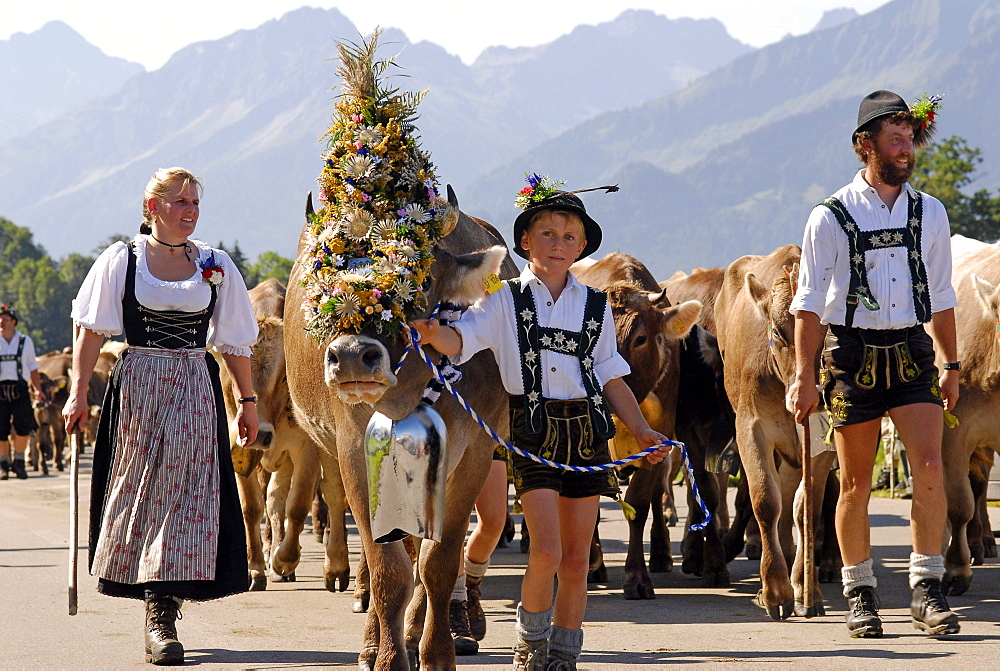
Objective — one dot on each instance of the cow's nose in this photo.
(371, 357)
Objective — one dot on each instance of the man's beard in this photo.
(889, 172)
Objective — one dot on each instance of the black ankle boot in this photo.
(162, 646)
(930, 611)
(18, 467)
(458, 621)
(474, 607)
(863, 620)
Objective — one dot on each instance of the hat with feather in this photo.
(883, 103)
(543, 194)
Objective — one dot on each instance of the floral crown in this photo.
(369, 245)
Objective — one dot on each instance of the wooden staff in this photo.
(74, 517)
(808, 533)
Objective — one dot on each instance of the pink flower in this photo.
(365, 197)
(357, 118)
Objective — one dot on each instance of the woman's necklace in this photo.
(187, 252)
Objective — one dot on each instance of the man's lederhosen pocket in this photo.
(567, 436)
(11, 390)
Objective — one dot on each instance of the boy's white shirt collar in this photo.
(527, 277)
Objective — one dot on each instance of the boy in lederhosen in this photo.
(554, 341)
(17, 367)
(876, 267)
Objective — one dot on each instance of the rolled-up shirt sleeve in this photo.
(233, 327)
(479, 326)
(98, 304)
(937, 257)
(816, 266)
(608, 363)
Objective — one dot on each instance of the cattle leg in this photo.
(829, 561)
(319, 514)
(336, 564)
(597, 572)
(714, 570)
(989, 540)
(277, 497)
(305, 472)
(978, 480)
(252, 502)
(637, 583)
(660, 558)
(735, 538)
(722, 510)
(961, 507)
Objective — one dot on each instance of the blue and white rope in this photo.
(414, 345)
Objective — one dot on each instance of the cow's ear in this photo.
(760, 295)
(680, 319)
(471, 271)
(984, 292)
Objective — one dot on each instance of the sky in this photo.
(150, 32)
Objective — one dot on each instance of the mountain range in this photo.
(719, 149)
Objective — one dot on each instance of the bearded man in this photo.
(876, 267)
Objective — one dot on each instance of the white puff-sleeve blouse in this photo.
(98, 306)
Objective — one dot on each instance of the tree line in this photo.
(41, 289)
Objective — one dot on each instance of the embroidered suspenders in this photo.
(861, 241)
(16, 357)
(532, 339)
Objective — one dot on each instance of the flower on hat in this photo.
(926, 108)
(539, 188)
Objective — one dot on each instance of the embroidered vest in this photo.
(532, 339)
(17, 358)
(860, 242)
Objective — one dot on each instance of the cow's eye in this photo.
(640, 341)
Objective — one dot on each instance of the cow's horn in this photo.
(309, 205)
(657, 297)
(450, 219)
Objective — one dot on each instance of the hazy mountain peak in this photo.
(834, 17)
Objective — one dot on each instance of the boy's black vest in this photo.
(861, 241)
(532, 339)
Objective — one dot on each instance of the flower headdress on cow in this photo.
(369, 245)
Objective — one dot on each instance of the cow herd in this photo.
(714, 348)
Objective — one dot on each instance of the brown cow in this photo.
(976, 278)
(286, 451)
(755, 333)
(648, 331)
(338, 383)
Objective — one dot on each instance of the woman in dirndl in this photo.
(165, 519)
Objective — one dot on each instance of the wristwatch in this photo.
(953, 365)
(249, 399)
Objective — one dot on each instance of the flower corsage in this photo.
(211, 271)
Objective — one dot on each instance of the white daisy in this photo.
(358, 222)
(358, 166)
(348, 305)
(326, 235)
(384, 230)
(369, 135)
(416, 213)
(403, 289)
(408, 251)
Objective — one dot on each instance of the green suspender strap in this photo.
(17, 358)
(860, 242)
(532, 339)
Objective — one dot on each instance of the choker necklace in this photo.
(187, 252)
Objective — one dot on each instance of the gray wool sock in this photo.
(569, 641)
(474, 570)
(925, 566)
(533, 626)
(460, 593)
(4, 459)
(859, 575)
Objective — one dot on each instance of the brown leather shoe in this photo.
(531, 655)
(474, 607)
(162, 646)
(930, 611)
(863, 620)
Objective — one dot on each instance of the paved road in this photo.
(301, 625)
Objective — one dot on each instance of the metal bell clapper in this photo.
(407, 471)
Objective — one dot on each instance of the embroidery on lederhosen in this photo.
(532, 338)
(860, 242)
(10, 392)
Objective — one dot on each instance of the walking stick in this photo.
(808, 534)
(74, 517)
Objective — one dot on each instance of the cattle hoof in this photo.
(337, 582)
(360, 604)
(661, 564)
(753, 550)
(413, 657)
(990, 549)
(828, 573)
(781, 611)
(816, 610)
(978, 555)
(283, 578)
(690, 567)
(716, 579)
(956, 586)
(59, 464)
(638, 591)
(258, 581)
(598, 575)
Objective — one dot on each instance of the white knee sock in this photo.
(859, 575)
(460, 593)
(533, 626)
(474, 570)
(925, 566)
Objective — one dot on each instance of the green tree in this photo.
(944, 170)
(236, 254)
(16, 243)
(268, 265)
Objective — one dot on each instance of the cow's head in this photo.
(772, 305)
(645, 324)
(267, 365)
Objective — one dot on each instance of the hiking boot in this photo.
(531, 655)
(18, 467)
(862, 619)
(929, 609)
(4, 470)
(560, 661)
(162, 646)
(883, 480)
(458, 622)
(474, 607)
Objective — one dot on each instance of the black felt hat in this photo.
(879, 103)
(8, 310)
(565, 201)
